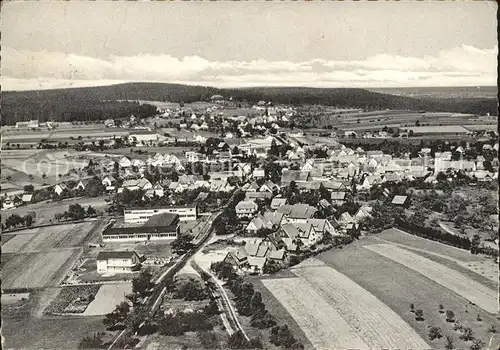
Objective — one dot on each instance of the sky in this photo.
(238, 44)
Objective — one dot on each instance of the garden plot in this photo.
(38, 269)
(484, 297)
(15, 243)
(106, 299)
(57, 236)
(374, 322)
(320, 322)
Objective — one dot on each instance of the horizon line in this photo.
(256, 87)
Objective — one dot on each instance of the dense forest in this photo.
(89, 103)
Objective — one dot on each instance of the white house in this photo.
(108, 181)
(292, 233)
(59, 188)
(246, 209)
(125, 162)
(117, 262)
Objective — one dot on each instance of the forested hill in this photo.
(88, 103)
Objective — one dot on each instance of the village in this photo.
(208, 191)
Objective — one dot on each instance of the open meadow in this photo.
(45, 211)
(44, 269)
(42, 257)
(335, 312)
(339, 289)
(49, 332)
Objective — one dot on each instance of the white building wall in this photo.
(140, 216)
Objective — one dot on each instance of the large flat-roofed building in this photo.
(163, 226)
(134, 216)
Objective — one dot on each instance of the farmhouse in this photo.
(59, 188)
(238, 259)
(267, 220)
(142, 215)
(137, 184)
(245, 209)
(112, 262)
(109, 181)
(298, 212)
(141, 136)
(292, 234)
(125, 162)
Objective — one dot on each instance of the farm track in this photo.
(321, 323)
(484, 297)
(376, 323)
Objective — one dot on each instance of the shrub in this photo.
(450, 316)
(477, 345)
(419, 315)
(492, 329)
(435, 333)
(441, 308)
(412, 307)
(449, 343)
(468, 334)
(478, 318)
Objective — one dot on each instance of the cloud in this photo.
(464, 65)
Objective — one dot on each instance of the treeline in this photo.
(249, 303)
(68, 108)
(88, 103)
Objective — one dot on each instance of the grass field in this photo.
(42, 257)
(398, 286)
(52, 237)
(484, 297)
(48, 333)
(107, 298)
(370, 319)
(14, 244)
(321, 323)
(356, 281)
(42, 269)
(45, 211)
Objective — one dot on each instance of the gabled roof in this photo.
(399, 199)
(346, 217)
(290, 230)
(251, 248)
(338, 196)
(318, 224)
(278, 202)
(246, 205)
(276, 254)
(255, 195)
(27, 197)
(298, 210)
(324, 203)
(288, 176)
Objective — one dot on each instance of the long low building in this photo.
(163, 226)
(134, 216)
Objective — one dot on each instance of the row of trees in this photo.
(249, 303)
(76, 212)
(16, 221)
